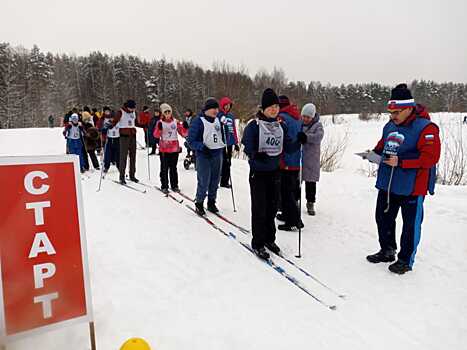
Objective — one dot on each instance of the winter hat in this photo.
(106, 108)
(74, 118)
(309, 110)
(269, 98)
(401, 98)
(210, 103)
(165, 107)
(130, 104)
(283, 101)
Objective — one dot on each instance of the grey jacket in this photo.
(312, 150)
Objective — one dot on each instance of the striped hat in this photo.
(401, 98)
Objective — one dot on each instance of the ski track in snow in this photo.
(161, 273)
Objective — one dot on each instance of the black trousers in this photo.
(412, 217)
(92, 155)
(127, 147)
(310, 191)
(264, 192)
(290, 193)
(169, 168)
(226, 162)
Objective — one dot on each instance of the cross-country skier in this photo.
(205, 137)
(126, 118)
(167, 131)
(74, 134)
(264, 138)
(110, 140)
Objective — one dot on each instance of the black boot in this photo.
(212, 206)
(400, 267)
(382, 256)
(261, 253)
(134, 179)
(122, 181)
(273, 247)
(199, 208)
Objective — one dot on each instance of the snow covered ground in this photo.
(161, 273)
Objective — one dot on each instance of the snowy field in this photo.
(161, 273)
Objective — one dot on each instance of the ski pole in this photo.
(149, 162)
(230, 173)
(389, 191)
(300, 209)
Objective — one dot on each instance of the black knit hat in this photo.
(283, 101)
(106, 108)
(401, 97)
(269, 98)
(211, 102)
(130, 104)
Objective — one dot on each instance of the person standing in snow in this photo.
(74, 135)
(290, 167)
(231, 139)
(110, 139)
(311, 136)
(205, 137)
(91, 139)
(126, 118)
(410, 148)
(264, 139)
(144, 117)
(167, 131)
(153, 142)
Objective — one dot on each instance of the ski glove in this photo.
(301, 137)
(185, 125)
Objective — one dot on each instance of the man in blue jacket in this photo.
(205, 137)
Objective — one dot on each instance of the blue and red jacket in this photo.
(291, 117)
(231, 137)
(418, 155)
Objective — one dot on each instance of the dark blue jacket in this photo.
(291, 161)
(195, 138)
(251, 142)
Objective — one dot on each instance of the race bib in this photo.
(212, 135)
(169, 131)
(271, 138)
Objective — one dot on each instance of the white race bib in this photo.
(127, 120)
(212, 136)
(169, 131)
(74, 133)
(271, 138)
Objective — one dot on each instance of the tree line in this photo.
(35, 84)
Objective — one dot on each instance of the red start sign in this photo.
(43, 263)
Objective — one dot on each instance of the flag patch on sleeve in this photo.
(429, 137)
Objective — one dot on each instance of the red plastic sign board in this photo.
(44, 280)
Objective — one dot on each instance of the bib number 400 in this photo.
(272, 141)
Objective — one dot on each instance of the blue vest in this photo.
(403, 180)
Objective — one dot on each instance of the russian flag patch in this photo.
(429, 137)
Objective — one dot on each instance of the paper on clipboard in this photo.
(371, 156)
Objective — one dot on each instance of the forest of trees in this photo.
(34, 85)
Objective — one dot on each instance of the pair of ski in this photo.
(269, 261)
(134, 187)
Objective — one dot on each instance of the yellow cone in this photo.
(135, 344)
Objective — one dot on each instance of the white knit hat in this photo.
(165, 107)
(309, 110)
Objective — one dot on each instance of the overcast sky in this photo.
(327, 40)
